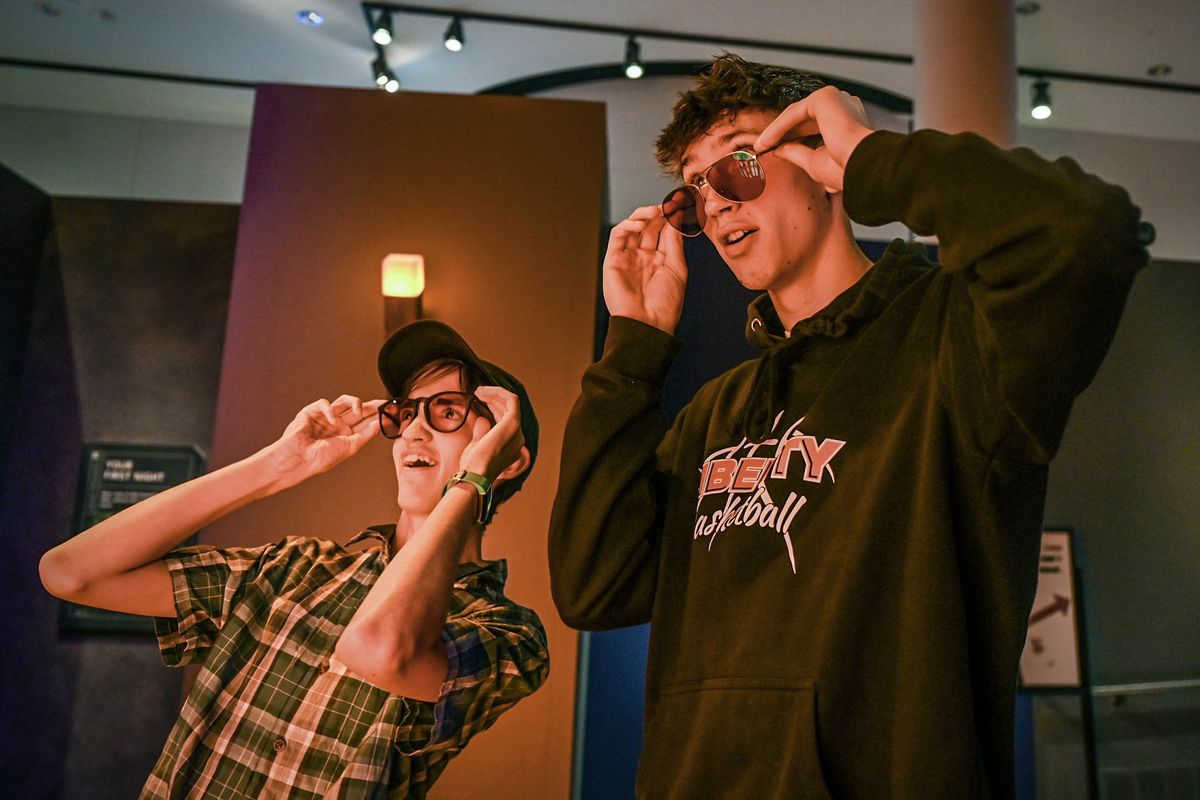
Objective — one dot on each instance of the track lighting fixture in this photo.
(380, 68)
(633, 59)
(382, 35)
(392, 84)
(454, 36)
(1041, 99)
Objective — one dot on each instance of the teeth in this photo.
(736, 237)
(415, 460)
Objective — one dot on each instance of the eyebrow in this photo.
(723, 139)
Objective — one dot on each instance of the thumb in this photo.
(479, 428)
(818, 163)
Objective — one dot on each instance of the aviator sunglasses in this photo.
(737, 177)
(445, 412)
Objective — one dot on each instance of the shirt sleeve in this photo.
(497, 656)
(206, 583)
(1040, 257)
(606, 523)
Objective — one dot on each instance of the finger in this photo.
(794, 121)
(367, 421)
(650, 233)
(797, 154)
(860, 110)
(479, 428)
(670, 242)
(626, 234)
(323, 413)
(817, 163)
(348, 407)
(330, 414)
(502, 403)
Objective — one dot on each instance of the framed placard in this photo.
(113, 477)
(1051, 659)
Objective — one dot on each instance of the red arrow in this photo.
(1060, 604)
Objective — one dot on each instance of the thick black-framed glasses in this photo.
(445, 412)
(737, 177)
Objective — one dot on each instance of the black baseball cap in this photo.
(418, 343)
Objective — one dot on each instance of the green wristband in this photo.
(480, 483)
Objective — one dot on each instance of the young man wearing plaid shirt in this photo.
(325, 671)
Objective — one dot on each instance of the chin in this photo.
(414, 507)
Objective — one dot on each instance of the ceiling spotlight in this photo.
(633, 59)
(454, 36)
(380, 68)
(382, 35)
(1041, 99)
(392, 84)
(310, 18)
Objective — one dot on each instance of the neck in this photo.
(409, 525)
(828, 272)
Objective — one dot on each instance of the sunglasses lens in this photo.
(447, 411)
(390, 420)
(684, 210)
(737, 177)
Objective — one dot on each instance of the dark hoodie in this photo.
(836, 544)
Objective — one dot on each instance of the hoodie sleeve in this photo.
(605, 527)
(1040, 257)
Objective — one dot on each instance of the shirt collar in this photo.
(464, 573)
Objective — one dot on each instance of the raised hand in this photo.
(644, 270)
(325, 434)
(495, 448)
(840, 120)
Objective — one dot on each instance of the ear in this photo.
(515, 468)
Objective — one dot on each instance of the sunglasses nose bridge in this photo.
(420, 418)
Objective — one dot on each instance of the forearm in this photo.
(402, 617)
(150, 529)
(603, 526)
(1042, 256)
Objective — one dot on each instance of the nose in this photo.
(713, 202)
(418, 429)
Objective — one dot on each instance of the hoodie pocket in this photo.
(733, 738)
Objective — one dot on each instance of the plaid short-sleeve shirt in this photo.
(274, 714)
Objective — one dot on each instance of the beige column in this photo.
(965, 59)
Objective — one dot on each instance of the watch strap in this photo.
(483, 486)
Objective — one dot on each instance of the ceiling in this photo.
(262, 41)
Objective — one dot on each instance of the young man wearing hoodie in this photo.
(836, 544)
(331, 671)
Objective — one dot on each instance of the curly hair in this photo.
(728, 85)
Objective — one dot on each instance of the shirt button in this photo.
(280, 743)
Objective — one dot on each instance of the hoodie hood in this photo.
(900, 265)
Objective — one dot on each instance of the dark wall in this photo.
(24, 217)
(1126, 478)
(124, 346)
(36, 489)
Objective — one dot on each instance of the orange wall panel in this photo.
(503, 197)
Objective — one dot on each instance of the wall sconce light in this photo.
(403, 282)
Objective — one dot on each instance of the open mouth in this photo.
(738, 236)
(418, 461)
